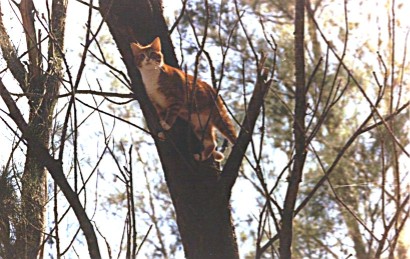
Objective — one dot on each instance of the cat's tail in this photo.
(223, 123)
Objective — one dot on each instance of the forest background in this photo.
(62, 69)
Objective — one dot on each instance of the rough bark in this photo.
(55, 168)
(41, 88)
(199, 193)
(42, 97)
(203, 217)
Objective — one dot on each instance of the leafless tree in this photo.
(200, 192)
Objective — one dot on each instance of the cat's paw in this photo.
(161, 136)
(164, 125)
(197, 157)
(218, 156)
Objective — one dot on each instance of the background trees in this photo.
(75, 116)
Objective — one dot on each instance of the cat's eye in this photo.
(154, 55)
(141, 56)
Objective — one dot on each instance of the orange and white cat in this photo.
(174, 94)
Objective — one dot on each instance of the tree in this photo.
(200, 195)
(354, 207)
(345, 175)
(286, 232)
(41, 88)
(23, 231)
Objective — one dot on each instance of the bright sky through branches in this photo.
(372, 18)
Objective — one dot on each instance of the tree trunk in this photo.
(286, 232)
(201, 202)
(41, 88)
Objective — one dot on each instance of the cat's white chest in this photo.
(150, 79)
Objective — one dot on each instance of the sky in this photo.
(368, 30)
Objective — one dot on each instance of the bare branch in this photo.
(231, 168)
(28, 11)
(360, 87)
(10, 55)
(55, 169)
(286, 233)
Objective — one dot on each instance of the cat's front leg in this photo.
(164, 125)
(164, 122)
(171, 116)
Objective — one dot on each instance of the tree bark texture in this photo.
(201, 203)
(54, 167)
(41, 87)
(286, 232)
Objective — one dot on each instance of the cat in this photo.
(173, 95)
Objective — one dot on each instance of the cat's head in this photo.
(148, 57)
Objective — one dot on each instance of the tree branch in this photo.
(27, 11)
(234, 161)
(286, 233)
(9, 54)
(55, 169)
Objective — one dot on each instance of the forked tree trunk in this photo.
(41, 88)
(200, 200)
(203, 214)
(199, 191)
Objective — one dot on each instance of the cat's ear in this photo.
(136, 48)
(156, 44)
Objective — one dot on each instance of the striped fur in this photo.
(174, 94)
